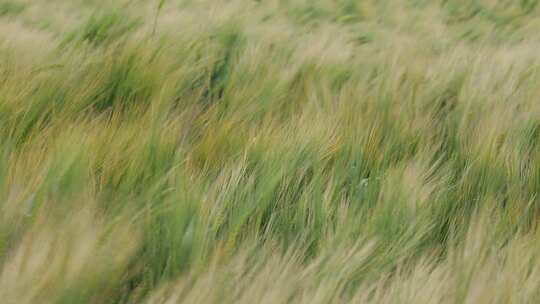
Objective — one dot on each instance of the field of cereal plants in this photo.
(276, 151)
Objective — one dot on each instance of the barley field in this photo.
(271, 151)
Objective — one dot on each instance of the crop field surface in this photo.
(271, 151)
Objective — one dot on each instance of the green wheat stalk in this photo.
(160, 5)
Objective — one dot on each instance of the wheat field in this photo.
(271, 151)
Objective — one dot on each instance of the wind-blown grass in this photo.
(269, 151)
